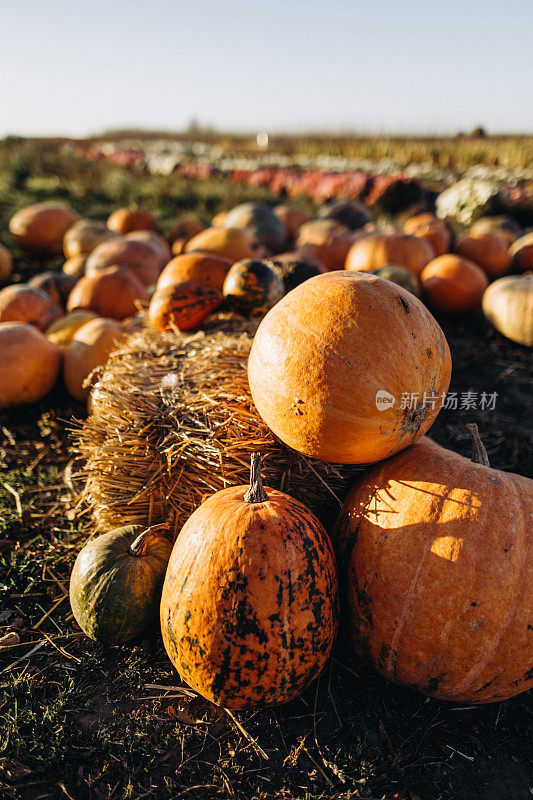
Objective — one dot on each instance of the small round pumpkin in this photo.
(198, 268)
(292, 217)
(84, 235)
(89, 348)
(57, 285)
(6, 263)
(378, 250)
(521, 253)
(488, 250)
(140, 257)
(453, 285)
(326, 240)
(508, 305)
(435, 552)
(231, 243)
(435, 232)
(22, 303)
(39, 229)
(506, 227)
(115, 585)
(327, 355)
(249, 605)
(62, 331)
(401, 276)
(152, 239)
(114, 292)
(75, 266)
(125, 220)
(252, 287)
(182, 305)
(29, 365)
(261, 222)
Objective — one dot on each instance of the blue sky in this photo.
(425, 66)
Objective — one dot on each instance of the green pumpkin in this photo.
(252, 287)
(116, 582)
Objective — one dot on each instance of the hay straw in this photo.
(174, 421)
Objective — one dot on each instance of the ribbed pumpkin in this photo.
(86, 234)
(453, 285)
(378, 249)
(29, 364)
(114, 292)
(326, 240)
(22, 303)
(231, 243)
(487, 250)
(125, 220)
(182, 305)
(521, 253)
(140, 257)
(436, 554)
(57, 285)
(39, 229)
(330, 350)
(508, 305)
(252, 287)
(249, 606)
(115, 586)
(198, 268)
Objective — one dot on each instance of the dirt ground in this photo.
(81, 722)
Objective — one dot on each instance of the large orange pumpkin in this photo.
(231, 243)
(249, 606)
(521, 253)
(378, 250)
(331, 361)
(198, 268)
(39, 229)
(29, 364)
(436, 553)
(182, 305)
(22, 303)
(125, 220)
(140, 257)
(453, 285)
(488, 250)
(114, 292)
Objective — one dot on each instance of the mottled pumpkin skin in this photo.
(114, 594)
(249, 606)
(252, 287)
(323, 352)
(436, 560)
(182, 305)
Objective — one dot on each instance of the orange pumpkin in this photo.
(75, 266)
(249, 606)
(435, 552)
(152, 239)
(231, 243)
(182, 305)
(198, 268)
(184, 229)
(326, 240)
(420, 220)
(63, 330)
(6, 263)
(86, 234)
(125, 220)
(22, 303)
(488, 250)
(435, 231)
(453, 285)
(29, 365)
(292, 218)
(506, 227)
(57, 285)
(39, 229)
(378, 250)
(330, 362)
(140, 257)
(89, 348)
(521, 253)
(113, 292)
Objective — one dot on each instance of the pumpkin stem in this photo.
(255, 493)
(479, 454)
(138, 546)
